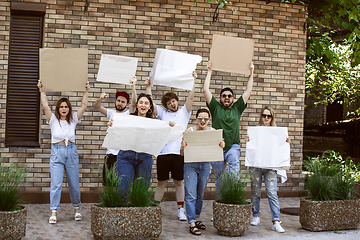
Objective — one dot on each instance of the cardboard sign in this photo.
(231, 54)
(174, 69)
(63, 69)
(116, 69)
(267, 148)
(203, 146)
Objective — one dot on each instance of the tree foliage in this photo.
(333, 48)
(333, 51)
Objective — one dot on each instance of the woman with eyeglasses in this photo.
(267, 118)
(196, 176)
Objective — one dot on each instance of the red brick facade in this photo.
(136, 29)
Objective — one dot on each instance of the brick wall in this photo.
(136, 29)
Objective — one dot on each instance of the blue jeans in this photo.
(64, 157)
(270, 178)
(132, 165)
(231, 156)
(196, 176)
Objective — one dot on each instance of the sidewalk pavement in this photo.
(38, 227)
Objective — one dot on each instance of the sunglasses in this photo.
(203, 118)
(225, 95)
(266, 116)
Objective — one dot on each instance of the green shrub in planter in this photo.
(115, 219)
(140, 193)
(12, 214)
(233, 188)
(329, 205)
(111, 197)
(327, 178)
(232, 212)
(11, 175)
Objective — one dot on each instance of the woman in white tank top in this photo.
(196, 176)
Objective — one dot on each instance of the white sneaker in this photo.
(78, 216)
(255, 221)
(181, 214)
(277, 227)
(52, 218)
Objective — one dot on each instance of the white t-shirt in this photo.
(62, 130)
(110, 114)
(181, 117)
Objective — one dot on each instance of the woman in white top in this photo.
(267, 118)
(196, 175)
(64, 154)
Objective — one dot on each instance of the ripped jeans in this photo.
(270, 178)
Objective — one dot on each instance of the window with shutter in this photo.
(23, 98)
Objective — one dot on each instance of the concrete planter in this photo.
(329, 215)
(13, 224)
(231, 219)
(126, 222)
(356, 190)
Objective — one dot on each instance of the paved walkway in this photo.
(38, 227)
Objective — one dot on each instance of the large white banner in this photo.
(267, 148)
(140, 134)
(174, 69)
(116, 69)
(203, 146)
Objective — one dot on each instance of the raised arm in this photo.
(148, 91)
(97, 104)
(250, 83)
(84, 101)
(190, 98)
(206, 87)
(132, 106)
(44, 102)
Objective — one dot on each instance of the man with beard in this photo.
(121, 102)
(169, 159)
(226, 115)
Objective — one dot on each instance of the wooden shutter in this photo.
(23, 98)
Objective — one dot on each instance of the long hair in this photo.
(272, 122)
(150, 113)
(69, 117)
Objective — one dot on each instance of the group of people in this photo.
(225, 115)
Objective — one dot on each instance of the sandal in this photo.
(200, 225)
(53, 219)
(194, 230)
(78, 216)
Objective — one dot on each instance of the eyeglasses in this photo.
(227, 95)
(266, 116)
(203, 118)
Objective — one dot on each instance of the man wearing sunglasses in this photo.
(226, 115)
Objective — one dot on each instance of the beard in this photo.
(119, 108)
(226, 106)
